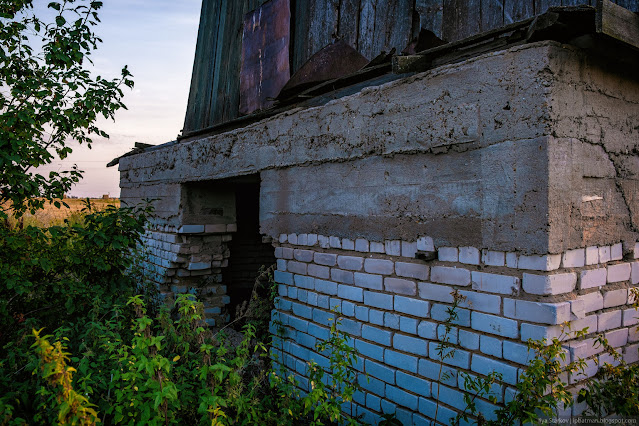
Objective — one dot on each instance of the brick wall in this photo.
(393, 306)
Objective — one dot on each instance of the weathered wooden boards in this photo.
(370, 26)
(617, 22)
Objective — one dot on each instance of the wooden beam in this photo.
(618, 23)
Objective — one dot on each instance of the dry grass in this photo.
(52, 216)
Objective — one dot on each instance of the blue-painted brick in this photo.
(405, 416)
(284, 305)
(361, 313)
(414, 384)
(408, 325)
(483, 365)
(451, 335)
(302, 295)
(371, 384)
(402, 397)
(312, 298)
(306, 340)
(500, 326)
(355, 294)
(367, 416)
(449, 396)
(298, 323)
(440, 313)
(469, 340)
(335, 304)
(427, 330)
(281, 290)
(292, 292)
(299, 351)
(496, 390)
(376, 317)
(374, 282)
(348, 308)
(380, 371)
(388, 407)
(370, 350)
(283, 277)
(354, 328)
(341, 276)
(373, 402)
(319, 332)
(413, 345)
(326, 287)
(378, 300)
(303, 311)
(428, 407)
(323, 317)
(490, 346)
(359, 397)
(399, 360)
(391, 320)
(459, 357)
(303, 281)
(436, 372)
(322, 301)
(411, 306)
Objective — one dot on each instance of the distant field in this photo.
(52, 216)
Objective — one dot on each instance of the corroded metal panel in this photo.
(265, 55)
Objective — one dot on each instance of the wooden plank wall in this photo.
(371, 26)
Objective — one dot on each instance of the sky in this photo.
(156, 39)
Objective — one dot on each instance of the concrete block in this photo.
(376, 247)
(574, 258)
(427, 330)
(342, 276)
(548, 262)
(481, 302)
(615, 297)
(549, 284)
(319, 271)
(408, 325)
(450, 275)
(414, 384)
(348, 244)
(517, 352)
(512, 260)
(326, 287)
(425, 244)
(351, 263)
(469, 255)
(409, 249)
(592, 301)
(493, 258)
(191, 229)
(448, 254)
(371, 281)
(609, 320)
(481, 364)
(592, 278)
(451, 356)
(355, 294)
(378, 300)
(378, 266)
(400, 360)
(413, 345)
(411, 270)
(393, 248)
(377, 335)
(616, 252)
(400, 286)
(411, 306)
(303, 255)
(362, 245)
(491, 346)
(377, 370)
(438, 293)
(592, 255)
(547, 313)
(431, 370)
(297, 267)
(468, 339)
(494, 325)
(619, 272)
(604, 254)
(401, 397)
(441, 313)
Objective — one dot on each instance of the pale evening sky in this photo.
(156, 39)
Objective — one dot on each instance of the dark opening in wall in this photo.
(248, 252)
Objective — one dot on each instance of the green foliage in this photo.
(48, 97)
